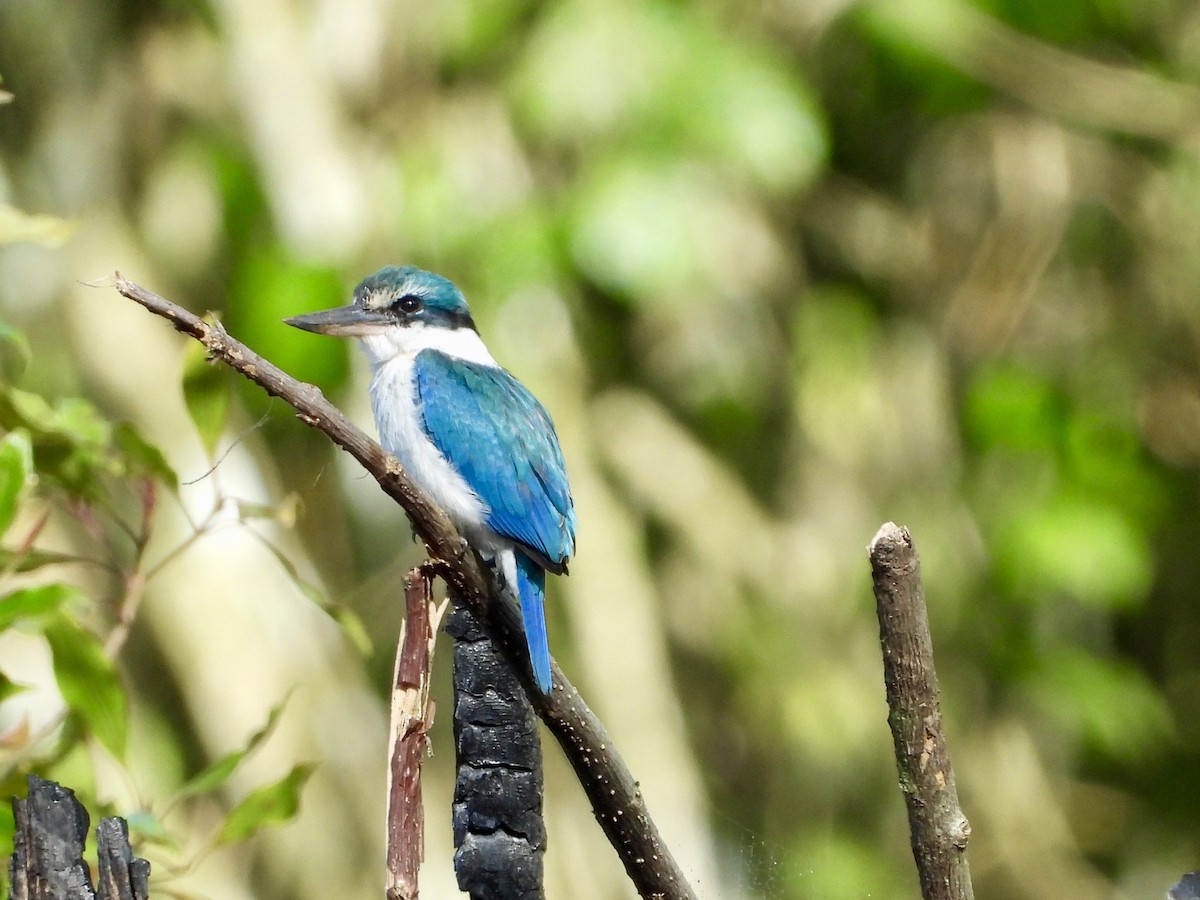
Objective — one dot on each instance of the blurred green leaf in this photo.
(347, 619)
(206, 392)
(20, 226)
(1007, 406)
(1080, 548)
(284, 511)
(1108, 703)
(71, 440)
(269, 805)
(142, 457)
(89, 682)
(352, 626)
(270, 286)
(8, 828)
(16, 467)
(32, 559)
(215, 775)
(14, 353)
(10, 688)
(147, 828)
(659, 75)
(35, 602)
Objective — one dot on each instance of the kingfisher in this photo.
(467, 432)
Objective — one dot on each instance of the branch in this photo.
(411, 718)
(616, 800)
(937, 825)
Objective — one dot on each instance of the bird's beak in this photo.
(344, 321)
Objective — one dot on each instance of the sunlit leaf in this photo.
(89, 683)
(206, 391)
(16, 225)
(215, 775)
(269, 805)
(35, 602)
(1081, 548)
(16, 466)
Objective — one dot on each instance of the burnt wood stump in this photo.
(47, 861)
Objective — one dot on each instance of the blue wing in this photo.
(501, 440)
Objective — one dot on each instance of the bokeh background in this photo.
(781, 271)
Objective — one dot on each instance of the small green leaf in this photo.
(349, 621)
(284, 512)
(143, 457)
(72, 441)
(352, 626)
(89, 683)
(147, 828)
(216, 774)
(34, 602)
(206, 391)
(16, 465)
(10, 688)
(307, 588)
(269, 805)
(30, 560)
(14, 353)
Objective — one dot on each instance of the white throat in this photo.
(407, 341)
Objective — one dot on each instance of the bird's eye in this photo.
(409, 304)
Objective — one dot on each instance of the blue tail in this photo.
(531, 584)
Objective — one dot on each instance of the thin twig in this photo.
(938, 828)
(616, 800)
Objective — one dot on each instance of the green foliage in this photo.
(267, 805)
(16, 467)
(214, 776)
(64, 460)
(88, 680)
(780, 272)
(206, 392)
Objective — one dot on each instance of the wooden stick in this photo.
(411, 719)
(937, 826)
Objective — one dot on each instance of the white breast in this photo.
(398, 418)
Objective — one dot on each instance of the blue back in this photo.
(501, 440)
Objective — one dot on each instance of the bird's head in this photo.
(398, 309)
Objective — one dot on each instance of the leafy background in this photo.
(781, 272)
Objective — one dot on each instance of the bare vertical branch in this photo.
(410, 722)
(938, 828)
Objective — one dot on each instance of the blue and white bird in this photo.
(466, 431)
